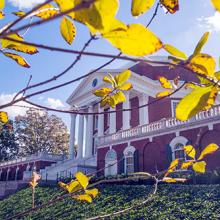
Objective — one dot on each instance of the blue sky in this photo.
(182, 30)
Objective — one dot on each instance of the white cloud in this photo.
(54, 103)
(25, 4)
(14, 110)
(212, 23)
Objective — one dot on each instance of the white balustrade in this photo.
(164, 124)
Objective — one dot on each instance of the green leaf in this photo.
(193, 103)
(201, 43)
(174, 51)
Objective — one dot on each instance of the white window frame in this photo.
(111, 165)
(177, 140)
(127, 150)
(173, 110)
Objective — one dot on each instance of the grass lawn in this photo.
(171, 202)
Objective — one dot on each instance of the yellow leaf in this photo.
(99, 15)
(199, 166)
(201, 43)
(2, 15)
(45, 12)
(108, 80)
(105, 101)
(66, 5)
(193, 103)
(86, 198)
(212, 98)
(216, 4)
(174, 51)
(71, 187)
(190, 151)
(121, 78)
(136, 40)
(203, 64)
(186, 165)
(36, 177)
(33, 184)
(117, 98)
(165, 83)
(141, 6)
(217, 75)
(83, 179)
(3, 117)
(67, 30)
(19, 13)
(173, 180)
(211, 148)
(18, 59)
(163, 93)
(2, 4)
(171, 5)
(102, 92)
(92, 192)
(18, 46)
(172, 166)
(126, 87)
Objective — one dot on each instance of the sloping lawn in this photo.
(172, 202)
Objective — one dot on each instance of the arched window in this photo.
(177, 145)
(129, 159)
(111, 163)
(179, 151)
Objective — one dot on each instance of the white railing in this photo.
(164, 125)
(34, 157)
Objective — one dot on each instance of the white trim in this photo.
(125, 152)
(111, 165)
(175, 141)
(172, 105)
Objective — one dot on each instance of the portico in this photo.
(83, 132)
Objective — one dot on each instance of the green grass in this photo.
(172, 202)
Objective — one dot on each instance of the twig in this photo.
(99, 113)
(83, 4)
(77, 59)
(121, 212)
(23, 17)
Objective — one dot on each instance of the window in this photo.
(111, 163)
(129, 159)
(174, 104)
(129, 162)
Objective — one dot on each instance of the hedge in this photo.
(172, 202)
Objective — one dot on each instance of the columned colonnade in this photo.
(86, 125)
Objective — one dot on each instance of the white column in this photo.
(100, 122)
(143, 112)
(72, 136)
(80, 137)
(7, 176)
(89, 134)
(126, 114)
(16, 173)
(112, 124)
